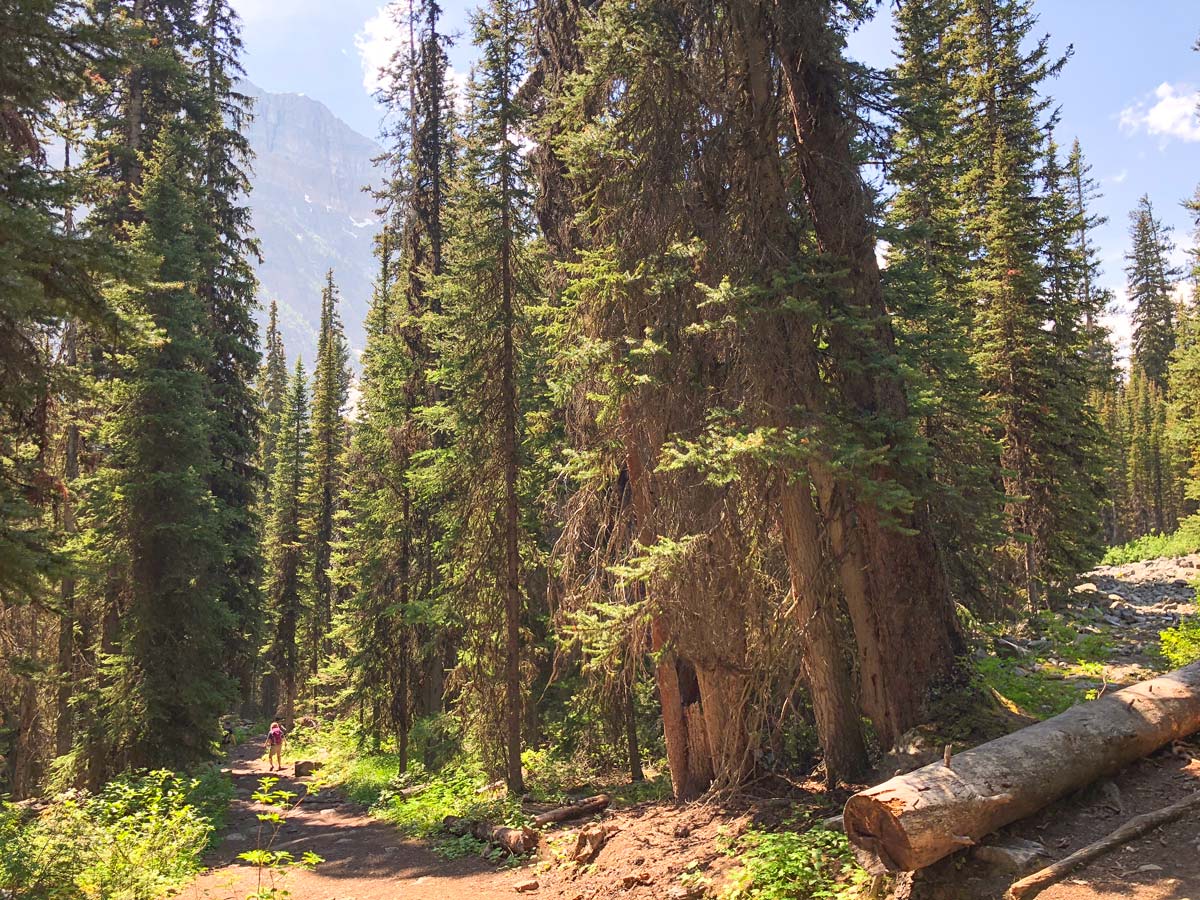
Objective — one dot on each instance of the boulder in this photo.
(307, 767)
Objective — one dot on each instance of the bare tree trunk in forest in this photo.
(896, 592)
(629, 709)
(825, 669)
(132, 175)
(24, 751)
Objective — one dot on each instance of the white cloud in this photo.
(1172, 114)
(1119, 177)
(378, 40)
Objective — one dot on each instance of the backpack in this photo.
(275, 735)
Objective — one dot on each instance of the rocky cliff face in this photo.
(311, 214)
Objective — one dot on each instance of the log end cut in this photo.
(873, 827)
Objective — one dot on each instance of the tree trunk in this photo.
(64, 736)
(723, 704)
(631, 735)
(895, 589)
(914, 820)
(825, 668)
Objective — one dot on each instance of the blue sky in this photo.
(1129, 92)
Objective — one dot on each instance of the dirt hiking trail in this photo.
(365, 858)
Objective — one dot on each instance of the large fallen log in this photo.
(1134, 828)
(585, 807)
(914, 820)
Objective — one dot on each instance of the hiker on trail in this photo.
(275, 745)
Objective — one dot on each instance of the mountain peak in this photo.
(311, 212)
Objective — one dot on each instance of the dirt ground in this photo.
(365, 858)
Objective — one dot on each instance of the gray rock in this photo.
(1011, 854)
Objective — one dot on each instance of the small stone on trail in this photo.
(528, 886)
(307, 767)
(637, 878)
(235, 836)
(1150, 867)
(682, 831)
(1011, 855)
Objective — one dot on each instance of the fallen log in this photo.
(1134, 828)
(913, 820)
(585, 807)
(517, 841)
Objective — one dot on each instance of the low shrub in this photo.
(1181, 645)
(139, 838)
(795, 865)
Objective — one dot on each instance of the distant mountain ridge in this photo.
(310, 214)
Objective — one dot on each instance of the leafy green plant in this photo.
(1181, 645)
(138, 838)
(795, 865)
(273, 865)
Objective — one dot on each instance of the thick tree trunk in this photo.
(825, 667)
(895, 589)
(914, 820)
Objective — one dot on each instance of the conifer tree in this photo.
(286, 544)
(1149, 279)
(373, 566)
(926, 280)
(331, 389)
(1002, 140)
(484, 358)
(228, 288)
(153, 511)
(52, 272)
(272, 389)
(390, 473)
(1094, 299)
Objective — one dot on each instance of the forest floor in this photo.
(1106, 638)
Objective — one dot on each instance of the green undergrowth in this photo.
(1180, 646)
(418, 801)
(790, 864)
(1185, 540)
(138, 838)
(1066, 664)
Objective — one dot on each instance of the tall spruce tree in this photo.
(489, 285)
(286, 543)
(998, 79)
(1149, 277)
(153, 511)
(272, 389)
(323, 490)
(926, 279)
(373, 564)
(228, 288)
